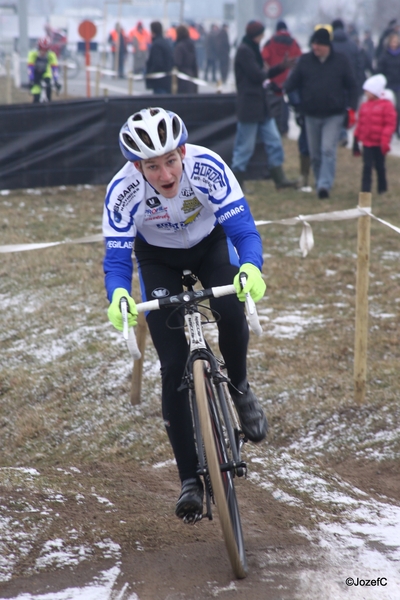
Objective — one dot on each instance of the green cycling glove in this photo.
(114, 310)
(255, 284)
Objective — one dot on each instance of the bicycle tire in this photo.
(221, 482)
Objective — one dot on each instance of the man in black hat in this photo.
(327, 89)
(252, 108)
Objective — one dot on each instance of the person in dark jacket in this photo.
(185, 60)
(211, 53)
(252, 108)
(392, 27)
(223, 49)
(327, 88)
(341, 42)
(160, 60)
(118, 42)
(368, 45)
(389, 66)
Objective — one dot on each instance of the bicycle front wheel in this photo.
(221, 481)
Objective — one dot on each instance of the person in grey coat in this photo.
(253, 114)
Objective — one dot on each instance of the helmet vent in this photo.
(176, 127)
(144, 136)
(130, 142)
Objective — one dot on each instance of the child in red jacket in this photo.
(375, 127)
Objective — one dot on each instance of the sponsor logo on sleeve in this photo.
(232, 212)
(119, 244)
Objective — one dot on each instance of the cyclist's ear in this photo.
(182, 150)
(138, 165)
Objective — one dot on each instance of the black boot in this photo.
(251, 415)
(190, 501)
(279, 178)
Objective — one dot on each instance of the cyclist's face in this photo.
(164, 172)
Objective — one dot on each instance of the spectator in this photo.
(140, 38)
(279, 46)
(342, 43)
(185, 60)
(223, 50)
(211, 54)
(42, 67)
(367, 61)
(118, 41)
(160, 60)
(327, 87)
(170, 34)
(352, 33)
(389, 65)
(200, 47)
(393, 27)
(252, 109)
(368, 45)
(302, 144)
(375, 127)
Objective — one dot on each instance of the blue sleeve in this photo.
(239, 226)
(118, 264)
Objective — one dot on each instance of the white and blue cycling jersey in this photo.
(208, 195)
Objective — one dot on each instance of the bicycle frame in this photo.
(216, 429)
(200, 350)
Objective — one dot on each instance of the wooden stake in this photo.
(361, 330)
(136, 388)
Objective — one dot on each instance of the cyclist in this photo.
(180, 207)
(42, 66)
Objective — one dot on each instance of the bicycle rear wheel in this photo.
(221, 481)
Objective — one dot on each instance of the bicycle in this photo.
(216, 428)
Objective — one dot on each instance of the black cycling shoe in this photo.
(252, 418)
(190, 502)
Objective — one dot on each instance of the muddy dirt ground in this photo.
(177, 561)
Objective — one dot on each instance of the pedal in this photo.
(192, 518)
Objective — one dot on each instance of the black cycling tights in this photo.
(160, 272)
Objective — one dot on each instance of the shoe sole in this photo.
(188, 508)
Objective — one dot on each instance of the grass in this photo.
(60, 353)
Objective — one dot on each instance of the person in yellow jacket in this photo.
(43, 66)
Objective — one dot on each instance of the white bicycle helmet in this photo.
(151, 132)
